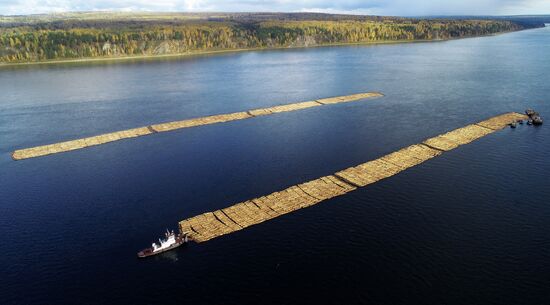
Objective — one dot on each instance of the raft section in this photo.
(147, 130)
(242, 215)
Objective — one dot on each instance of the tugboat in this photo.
(170, 241)
(534, 117)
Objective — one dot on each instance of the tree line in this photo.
(28, 43)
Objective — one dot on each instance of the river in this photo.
(469, 227)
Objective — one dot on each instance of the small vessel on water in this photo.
(170, 241)
(534, 117)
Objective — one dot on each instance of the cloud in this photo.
(376, 7)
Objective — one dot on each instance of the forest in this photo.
(46, 37)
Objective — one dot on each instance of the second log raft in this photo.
(147, 130)
(254, 211)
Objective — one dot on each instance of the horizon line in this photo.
(266, 12)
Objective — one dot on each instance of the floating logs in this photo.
(80, 143)
(251, 212)
(214, 119)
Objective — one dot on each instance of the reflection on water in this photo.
(171, 256)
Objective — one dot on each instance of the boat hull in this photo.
(149, 251)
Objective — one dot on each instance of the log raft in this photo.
(210, 225)
(147, 130)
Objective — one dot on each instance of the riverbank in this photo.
(196, 53)
(214, 51)
(227, 51)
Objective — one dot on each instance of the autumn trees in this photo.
(47, 42)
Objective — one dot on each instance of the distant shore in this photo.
(198, 52)
(224, 51)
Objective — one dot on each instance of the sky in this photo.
(366, 7)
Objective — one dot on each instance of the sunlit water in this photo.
(469, 227)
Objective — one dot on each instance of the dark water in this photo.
(469, 227)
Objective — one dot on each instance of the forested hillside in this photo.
(29, 39)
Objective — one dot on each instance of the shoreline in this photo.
(206, 52)
(225, 51)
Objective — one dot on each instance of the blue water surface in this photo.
(469, 227)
